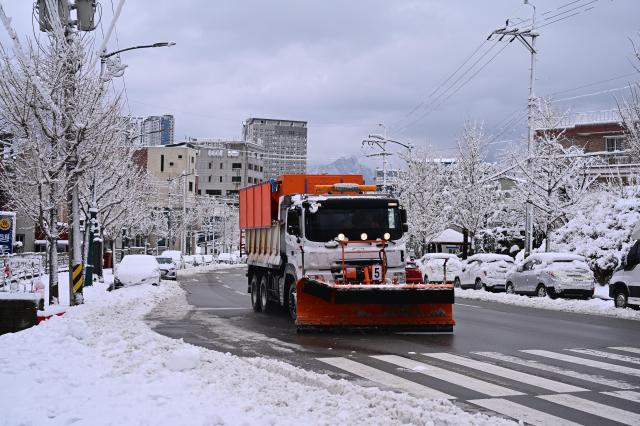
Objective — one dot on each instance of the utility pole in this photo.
(528, 40)
(184, 213)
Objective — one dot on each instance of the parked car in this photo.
(552, 274)
(177, 257)
(207, 258)
(190, 261)
(136, 269)
(227, 258)
(432, 267)
(485, 270)
(168, 268)
(413, 274)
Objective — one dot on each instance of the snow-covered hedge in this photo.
(602, 233)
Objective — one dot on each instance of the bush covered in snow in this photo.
(602, 234)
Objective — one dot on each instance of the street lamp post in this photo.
(381, 142)
(104, 56)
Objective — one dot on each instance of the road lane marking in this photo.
(626, 395)
(626, 349)
(241, 293)
(507, 373)
(594, 408)
(384, 378)
(585, 362)
(558, 370)
(602, 354)
(471, 306)
(226, 286)
(471, 383)
(521, 412)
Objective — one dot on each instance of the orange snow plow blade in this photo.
(389, 307)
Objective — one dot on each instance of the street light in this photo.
(381, 142)
(104, 56)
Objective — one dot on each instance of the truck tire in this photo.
(255, 292)
(292, 301)
(265, 303)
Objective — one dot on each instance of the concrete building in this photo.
(224, 167)
(284, 142)
(158, 130)
(166, 164)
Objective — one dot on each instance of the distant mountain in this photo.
(345, 165)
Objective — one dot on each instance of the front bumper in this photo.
(495, 282)
(168, 274)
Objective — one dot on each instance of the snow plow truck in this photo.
(331, 251)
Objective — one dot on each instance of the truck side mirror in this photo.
(405, 227)
(403, 217)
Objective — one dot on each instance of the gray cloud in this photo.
(346, 66)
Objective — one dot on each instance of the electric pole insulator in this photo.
(44, 14)
(86, 11)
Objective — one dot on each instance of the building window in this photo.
(236, 178)
(232, 192)
(209, 164)
(220, 178)
(179, 157)
(190, 186)
(250, 166)
(162, 163)
(250, 179)
(615, 143)
(193, 159)
(170, 163)
(209, 178)
(236, 165)
(214, 192)
(221, 166)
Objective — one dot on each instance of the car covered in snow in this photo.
(485, 270)
(190, 261)
(227, 258)
(432, 267)
(136, 269)
(552, 274)
(168, 268)
(177, 257)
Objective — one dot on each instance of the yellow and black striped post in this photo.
(77, 278)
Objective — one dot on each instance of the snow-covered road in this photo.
(101, 364)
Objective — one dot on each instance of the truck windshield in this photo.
(353, 219)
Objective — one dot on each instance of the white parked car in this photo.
(432, 267)
(485, 270)
(207, 259)
(190, 261)
(177, 257)
(136, 269)
(168, 269)
(227, 258)
(552, 274)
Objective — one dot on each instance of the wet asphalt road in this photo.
(217, 315)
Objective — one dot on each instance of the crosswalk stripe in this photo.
(448, 376)
(558, 370)
(627, 395)
(585, 362)
(521, 412)
(626, 349)
(594, 408)
(518, 376)
(384, 378)
(602, 354)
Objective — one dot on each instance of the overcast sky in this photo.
(345, 66)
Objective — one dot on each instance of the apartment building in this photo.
(284, 142)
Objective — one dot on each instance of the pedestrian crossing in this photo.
(540, 387)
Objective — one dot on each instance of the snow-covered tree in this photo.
(423, 190)
(556, 178)
(474, 192)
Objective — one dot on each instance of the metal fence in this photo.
(19, 271)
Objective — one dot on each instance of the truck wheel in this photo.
(265, 303)
(255, 293)
(456, 282)
(293, 302)
(620, 299)
(478, 284)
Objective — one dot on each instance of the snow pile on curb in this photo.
(101, 364)
(591, 306)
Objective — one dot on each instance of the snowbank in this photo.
(596, 306)
(101, 364)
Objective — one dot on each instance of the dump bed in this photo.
(259, 203)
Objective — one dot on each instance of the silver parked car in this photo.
(552, 274)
